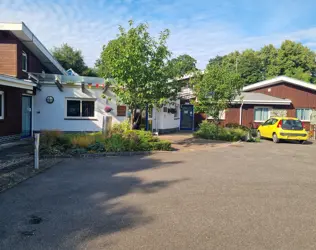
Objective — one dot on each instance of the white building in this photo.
(80, 104)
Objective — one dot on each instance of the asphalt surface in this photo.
(248, 196)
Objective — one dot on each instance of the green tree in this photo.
(138, 62)
(182, 65)
(68, 57)
(296, 60)
(216, 60)
(216, 89)
(250, 67)
(269, 60)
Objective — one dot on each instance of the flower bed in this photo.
(120, 139)
(210, 131)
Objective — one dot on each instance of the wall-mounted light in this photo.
(49, 99)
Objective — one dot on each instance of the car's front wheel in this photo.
(301, 141)
(275, 138)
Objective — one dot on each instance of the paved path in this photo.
(247, 196)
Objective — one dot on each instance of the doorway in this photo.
(187, 117)
(26, 116)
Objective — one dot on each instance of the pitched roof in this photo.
(259, 98)
(277, 80)
(25, 35)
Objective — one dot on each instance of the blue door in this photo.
(26, 116)
(187, 117)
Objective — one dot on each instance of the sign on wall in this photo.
(313, 117)
(278, 112)
(121, 110)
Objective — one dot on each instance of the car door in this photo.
(270, 127)
(265, 127)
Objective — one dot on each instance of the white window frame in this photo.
(262, 107)
(177, 114)
(81, 100)
(222, 115)
(304, 109)
(24, 55)
(2, 105)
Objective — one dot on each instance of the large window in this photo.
(24, 61)
(261, 114)
(304, 114)
(1, 105)
(80, 108)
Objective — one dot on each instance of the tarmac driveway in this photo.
(246, 196)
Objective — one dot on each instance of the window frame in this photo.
(2, 105)
(79, 117)
(311, 110)
(177, 114)
(26, 66)
(261, 107)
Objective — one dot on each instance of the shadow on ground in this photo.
(77, 202)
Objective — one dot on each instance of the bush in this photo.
(82, 141)
(115, 143)
(209, 130)
(55, 142)
(120, 128)
(236, 125)
(160, 145)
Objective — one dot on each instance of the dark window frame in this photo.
(1, 105)
(81, 112)
(24, 55)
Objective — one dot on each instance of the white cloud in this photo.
(88, 29)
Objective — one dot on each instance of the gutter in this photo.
(240, 113)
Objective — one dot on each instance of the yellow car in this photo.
(283, 128)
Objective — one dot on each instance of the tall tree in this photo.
(269, 60)
(138, 62)
(182, 65)
(296, 60)
(68, 57)
(216, 89)
(250, 67)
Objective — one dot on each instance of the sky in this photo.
(200, 28)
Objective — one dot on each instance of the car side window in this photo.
(274, 121)
(268, 122)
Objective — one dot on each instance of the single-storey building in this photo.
(280, 96)
(37, 93)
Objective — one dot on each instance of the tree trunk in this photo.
(132, 118)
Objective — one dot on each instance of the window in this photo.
(121, 110)
(271, 121)
(82, 108)
(24, 61)
(304, 114)
(261, 114)
(1, 105)
(221, 115)
(177, 111)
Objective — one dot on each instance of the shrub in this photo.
(82, 141)
(50, 137)
(211, 131)
(207, 130)
(161, 145)
(120, 128)
(96, 147)
(236, 125)
(115, 143)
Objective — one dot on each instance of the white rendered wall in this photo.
(52, 116)
(165, 120)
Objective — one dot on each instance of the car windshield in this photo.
(292, 125)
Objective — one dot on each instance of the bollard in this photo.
(36, 150)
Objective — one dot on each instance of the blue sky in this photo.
(200, 28)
